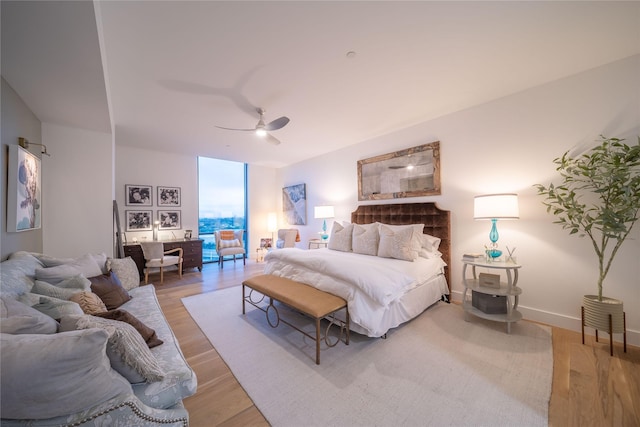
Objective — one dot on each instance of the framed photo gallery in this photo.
(139, 216)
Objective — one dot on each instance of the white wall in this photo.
(77, 192)
(508, 146)
(17, 121)
(144, 167)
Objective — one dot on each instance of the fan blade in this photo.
(244, 130)
(277, 123)
(272, 140)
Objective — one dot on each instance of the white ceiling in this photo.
(164, 73)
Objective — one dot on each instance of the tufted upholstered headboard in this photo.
(437, 222)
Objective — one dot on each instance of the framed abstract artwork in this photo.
(139, 220)
(168, 196)
(294, 204)
(169, 220)
(138, 195)
(24, 190)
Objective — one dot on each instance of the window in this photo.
(222, 199)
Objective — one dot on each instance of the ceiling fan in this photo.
(261, 128)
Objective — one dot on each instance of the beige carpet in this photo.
(436, 370)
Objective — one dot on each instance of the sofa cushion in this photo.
(18, 273)
(45, 376)
(89, 302)
(51, 261)
(64, 289)
(19, 318)
(126, 347)
(179, 380)
(126, 270)
(110, 290)
(85, 265)
(52, 307)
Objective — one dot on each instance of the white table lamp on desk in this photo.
(495, 207)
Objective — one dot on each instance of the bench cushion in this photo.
(302, 297)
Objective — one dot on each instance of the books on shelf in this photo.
(473, 257)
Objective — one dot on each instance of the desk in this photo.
(191, 253)
(318, 243)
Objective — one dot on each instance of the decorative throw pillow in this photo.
(110, 290)
(52, 307)
(396, 243)
(84, 265)
(430, 243)
(365, 239)
(18, 318)
(126, 270)
(341, 237)
(229, 243)
(45, 376)
(60, 292)
(227, 235)
(416, 240)
(148, 335)
(125, 347)
(89, 302)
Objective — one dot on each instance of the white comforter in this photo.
(369, 284)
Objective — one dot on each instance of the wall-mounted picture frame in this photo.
(294, 204)
(24, 191)
(138, 195)
(139, 220)
(168, 196)
(413, 172)
(169, 220)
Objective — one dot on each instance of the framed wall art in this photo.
(169, 220)
(412, 172)
(24, 190)
(168, 196)
(139, 220)
(138, 195)
(294, 204)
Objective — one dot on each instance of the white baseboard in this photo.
(563, 321)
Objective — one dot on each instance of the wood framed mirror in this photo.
(412, 172)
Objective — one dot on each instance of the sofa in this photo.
(81, 346)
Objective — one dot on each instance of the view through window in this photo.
(222, 201)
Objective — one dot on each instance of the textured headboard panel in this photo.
(437, 222)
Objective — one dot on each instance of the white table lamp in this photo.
(494, 207)
(323, 212)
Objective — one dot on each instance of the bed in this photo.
(381, 292)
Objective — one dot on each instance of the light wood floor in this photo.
(590, 388)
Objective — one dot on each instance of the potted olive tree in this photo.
(598, 197)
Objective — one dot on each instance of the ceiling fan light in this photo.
(261, 132)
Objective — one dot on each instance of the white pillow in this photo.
(62, 290)
(126, 346)
(365, 239)
(52, 307)
(429, 255)
(416, 240)
(46, 376)
(430, 243)
(341, 237)
(85, 265)
(229, 243)
(396, 243)
(126, 270)
(19, 318)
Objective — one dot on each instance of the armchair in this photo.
(156, 257)
(287, 238)
(230, 242)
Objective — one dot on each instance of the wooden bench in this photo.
(306, 299)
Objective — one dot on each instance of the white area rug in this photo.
(436, 370)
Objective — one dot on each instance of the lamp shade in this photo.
(496, 206)
(323, 212)
(272, 222)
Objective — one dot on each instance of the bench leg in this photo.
(317, 341)
(243, 299)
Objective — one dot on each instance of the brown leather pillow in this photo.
(148, 334)
(110, 290)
